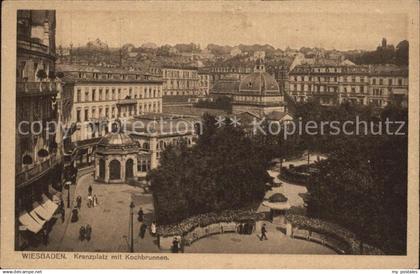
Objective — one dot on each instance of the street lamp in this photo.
(131, 227)
(67, 185)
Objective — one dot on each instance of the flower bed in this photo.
(294, 177)
(204, 220)
(333, 231)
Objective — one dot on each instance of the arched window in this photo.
(129, 168)
(146, 146)
(114, 170)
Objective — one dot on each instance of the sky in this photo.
(279, 26)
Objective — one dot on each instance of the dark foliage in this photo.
(224, 170)
(363, 185)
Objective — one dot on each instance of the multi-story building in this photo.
(204, 84)
(331, 85)
(388, 84)
(38, 157)
(101, 96)
(180, 81)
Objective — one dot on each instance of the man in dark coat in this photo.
(90, 190)
(143, 229)
(88, 232)
(175, 248)
(140, 215)
(263, 233)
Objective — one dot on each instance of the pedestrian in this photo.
(63, 214)
(95, 200)
(181, 244)
(82, 233)
(90, 201)
(143, 229)
(140, 215)
(175, 247)
(88, 232)
(90, 190)
(153, 229)
(74, 216)
(45, 236)
(263, 233)
(79, 201)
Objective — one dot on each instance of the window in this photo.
(113, 94)
(374, 81)
(78, 117)
(86, 114)
(390, 82)
(381, 81)
(79, 95)
(107, 112)
(400, 82)
(93, 94)
(119, 94)
(100, 95)
(86, 95)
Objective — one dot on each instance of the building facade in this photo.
(100, 97)
(38, 162)
(180, 81)
(332, 85)
(204, 84)
(258, 93)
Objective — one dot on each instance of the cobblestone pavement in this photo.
(109, 220)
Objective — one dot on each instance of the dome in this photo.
(116, 139)
(278, 198)
(260, 83)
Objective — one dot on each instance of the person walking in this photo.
(88, 232)
(263, 233)
(82, 233)
(140, 215)
(90, 190)
(63, 214)
(79, 201)
(45, 236)
(95, 200)
(143, 229)
(90, 201)
(175, 247)
(153, 229)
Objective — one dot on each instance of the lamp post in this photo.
(67, 184)
(131, 227)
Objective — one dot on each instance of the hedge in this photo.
(204, 220)
(333, 230)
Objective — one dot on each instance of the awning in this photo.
(29, 223)
(41, 211)
(48, 205)
(37, 218)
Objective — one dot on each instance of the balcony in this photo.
(28, 44)
(36, 88)
(127, 102)
(33, 173)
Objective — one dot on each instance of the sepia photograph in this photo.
(148, 129)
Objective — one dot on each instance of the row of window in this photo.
(179, 74)
(106, 94)
(353, 79)
(181, 84)
(112, 112)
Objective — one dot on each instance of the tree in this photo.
(363, 186)
(224, 170)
